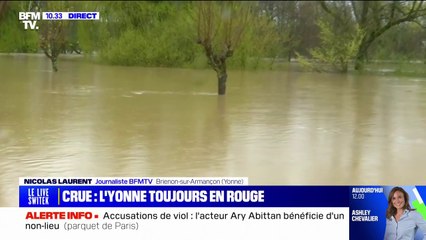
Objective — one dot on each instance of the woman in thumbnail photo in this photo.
(402, 222)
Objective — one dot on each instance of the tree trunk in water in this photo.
(361, 56)
(360, 59)
(221, 82)
(54, 64)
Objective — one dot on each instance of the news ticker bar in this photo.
(192, 192)
(176, 223)
(59, 16)
(360, 210)
(182, 196)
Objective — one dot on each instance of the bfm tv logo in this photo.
(26, 18)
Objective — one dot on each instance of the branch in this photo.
(327, 10)
(420, 24)
(3, 7)
(354, 10)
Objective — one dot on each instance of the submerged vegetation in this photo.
(324, 36)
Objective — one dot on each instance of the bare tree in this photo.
(54, 34)
(53, 40)
(220, 29)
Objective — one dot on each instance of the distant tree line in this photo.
(222, 35)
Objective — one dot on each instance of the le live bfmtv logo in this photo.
(29, 19)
